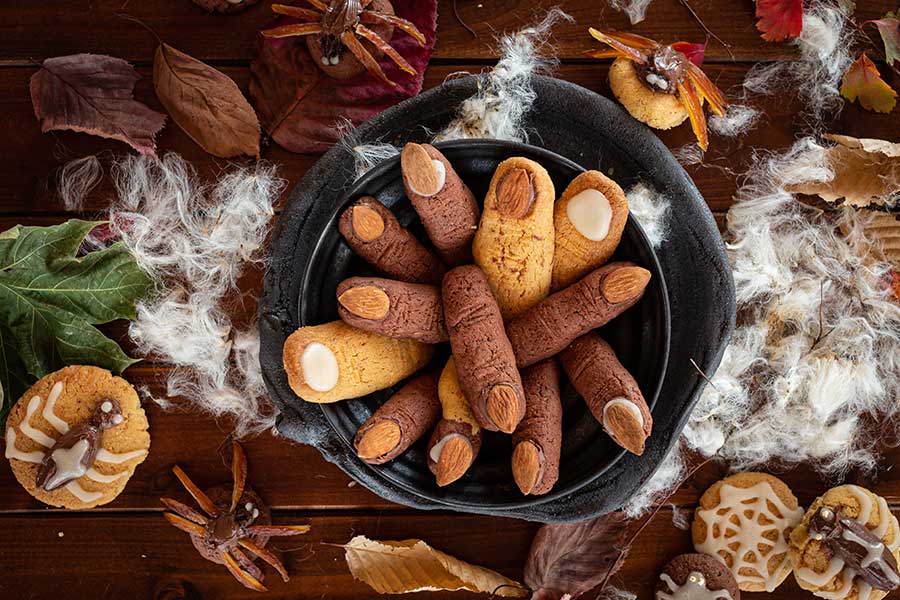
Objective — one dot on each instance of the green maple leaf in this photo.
(51, 299)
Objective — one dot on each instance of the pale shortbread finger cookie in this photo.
(334, 361)
(817, 569)
(745, 520)
(588, 220)
(60, 403)
(657, 109)
(514, 242)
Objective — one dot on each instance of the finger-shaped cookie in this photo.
(538, 438)
(457, 438)
(484, 359)
(514, 242)
(588, 220)
(551, 325)
(444, 203)
(334, 361)
(394, 309)
(374, 233)
(610, 391)
(400, 422)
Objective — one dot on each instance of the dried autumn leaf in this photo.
(94, 94)
(694, 52)
(301, 107)
(573, 558)
(206, 104)
(779, 19)
(862, 172)
(889, 28)
(863, 81)
(412, 565)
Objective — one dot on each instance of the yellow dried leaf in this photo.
(401, 567)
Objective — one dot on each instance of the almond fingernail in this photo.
(455, 458)
(503, 408)
(367, 223)
(527, 464)
(368, 302)
(422, 172)
(380, 439)
(515, 194)
(624, 284)
(623, 421)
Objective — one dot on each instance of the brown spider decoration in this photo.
(230, 523)
(664, 69)
(344, 24)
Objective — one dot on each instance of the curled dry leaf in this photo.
(889, 28)
(695, 52)
(94, 94)
(866, 172)
(572, 558)
(301, 107)
(206, 104)
(779, 19)
(412, 566)
(862, 81)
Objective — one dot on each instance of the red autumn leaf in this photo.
(573, 558)
(301, 107)
(863, 81)
(779, 19)
(94, 94)
(694, 52)
(889, 28)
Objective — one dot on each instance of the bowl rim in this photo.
(510, 148)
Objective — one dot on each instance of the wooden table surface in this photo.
(125, 549)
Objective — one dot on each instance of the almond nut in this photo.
(502, 408)
(624, 284)
(367, 223)
(419, 170)
(624, 428)
(515, 194)
(366, 301)
(455, 459)
(527, 466)
(379, 439)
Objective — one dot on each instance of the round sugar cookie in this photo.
(657, 109)
(225, 6)
(697, 576)
(745, 520)
(61, 402)
(817, 569)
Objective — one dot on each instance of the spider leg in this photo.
(385, 47)
(355, 46)
(322, 6)
(278, 530)
(241, 575)
(610, 53)
(707, 89)
(629, 39)
(184, 510)
(238, 472)
(266, 555)
(184, 525)
(292, 30)
(370, 17)
(246, 563)
(202, 499)
(624, 44)
(694, 108)
(295, 11)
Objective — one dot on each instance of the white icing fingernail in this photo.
(625, 403)
(320, 367)
(590, 214)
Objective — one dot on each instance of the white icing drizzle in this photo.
(37, 435)
(104, 455)
(12, 452)
(694, 588)
(82, 494)
(101, 478)
(68, 464)
(58, 424)
(748, 533)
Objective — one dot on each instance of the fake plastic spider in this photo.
(340, 24)
(664, 69)
(227, 524)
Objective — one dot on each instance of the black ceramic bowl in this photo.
(640, 338)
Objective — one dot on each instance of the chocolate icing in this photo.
(549, 326)
(542, 424)
(416, 311)
(858, 547)
(664, 70)
(89, 431)
(396, 252)
(415, 409)
(483, 355)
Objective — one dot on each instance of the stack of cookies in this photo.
(517, 288)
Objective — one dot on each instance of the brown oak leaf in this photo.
(94, 93)
(572, 558)
(205, 103)
(301, 107)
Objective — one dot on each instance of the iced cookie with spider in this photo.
(231, 523)
(658, 84)
(74, 439)
(346, 37)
